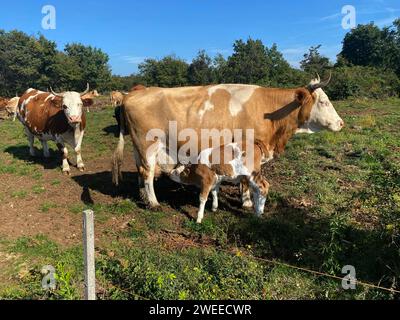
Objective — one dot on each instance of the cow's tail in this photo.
(118, 156)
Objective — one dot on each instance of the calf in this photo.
(235, 165)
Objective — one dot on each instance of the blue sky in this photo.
(130, 31)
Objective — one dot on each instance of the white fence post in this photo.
(88, 248)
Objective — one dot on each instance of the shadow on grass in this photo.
(168, 192)
(300, 236)
(113, 129)
(22, 153)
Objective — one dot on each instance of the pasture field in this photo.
(334, 201)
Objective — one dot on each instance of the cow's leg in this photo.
(214, 194)
(65, 165)
(45, 147)
(79, 161)
(246, 194)
(204, 193)
(31, 140)
(137, 163)
(147, 174)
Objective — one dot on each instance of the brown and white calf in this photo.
(235, 164)
(57, 117)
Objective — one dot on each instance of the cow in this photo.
(117, 110)
(273, 115)
(55, 116)
(116, 98)
(11, 107)
(3, 104)
(236, 165)
(90, 95)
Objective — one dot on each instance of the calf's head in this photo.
(73, 103)
(322, 114)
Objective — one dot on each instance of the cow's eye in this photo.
(64, 107)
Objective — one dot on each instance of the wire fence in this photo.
(276, 263)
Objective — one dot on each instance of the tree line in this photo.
(368, 66)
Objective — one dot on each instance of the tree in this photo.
(314, 62)
(219, 68)
(200, 71)
(24, 62)
(280, 73)
(248, 63)
(363, 46)
(168, 72)
(93, 66)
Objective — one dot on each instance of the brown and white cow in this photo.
(116, 98)
(90, 95)
(235, 166)
(57, 117)
(274, 115)
(12, 106)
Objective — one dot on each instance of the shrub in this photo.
(363, 82)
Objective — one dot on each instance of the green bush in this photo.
(363, 82)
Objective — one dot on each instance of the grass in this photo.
(334, 201)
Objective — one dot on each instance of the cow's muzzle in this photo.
(75, 119)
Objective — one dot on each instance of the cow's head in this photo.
(72, 104)
(322, 115)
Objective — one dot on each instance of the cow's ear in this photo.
(301, 96)
(87, 102)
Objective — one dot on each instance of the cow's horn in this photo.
(321, 84)
(55, 93)
(87, 90)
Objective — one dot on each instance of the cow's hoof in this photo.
(81, 169)
(198, 221)
(247, 204)
(214, 209)
(66, 172)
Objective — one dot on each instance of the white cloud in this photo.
(133, 59)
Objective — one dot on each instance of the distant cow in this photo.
(208, 176)
(12, 106)
(116, 98)
(91, 95)
(55, 116)
(3, 104)
(9, 106)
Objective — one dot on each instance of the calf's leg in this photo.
(204, 193)
(260, 188)
(246, 194)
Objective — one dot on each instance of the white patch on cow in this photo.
(207, 107)
(240, 95)
(204, 157)
(237, 163)
(29, 90)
